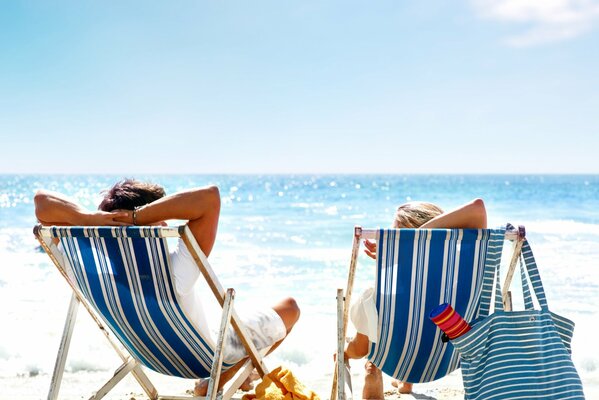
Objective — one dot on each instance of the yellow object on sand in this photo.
(280, 384)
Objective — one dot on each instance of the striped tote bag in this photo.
(519, 354)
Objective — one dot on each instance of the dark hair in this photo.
(130, 193)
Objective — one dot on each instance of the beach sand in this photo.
(81, 385)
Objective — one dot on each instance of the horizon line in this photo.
(305, 173)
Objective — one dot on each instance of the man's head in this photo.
(414, 214)
(129, 193)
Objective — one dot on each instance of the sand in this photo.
(81, 385)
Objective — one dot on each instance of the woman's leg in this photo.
(402, 387)
(373, 380)
(373, 383)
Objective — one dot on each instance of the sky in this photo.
(424, 86)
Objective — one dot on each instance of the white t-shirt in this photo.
(186, 274)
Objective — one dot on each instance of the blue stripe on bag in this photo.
(416, 271)
(520, 354)
(125, 275)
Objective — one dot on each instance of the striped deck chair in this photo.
(121, 275)
(417, 270)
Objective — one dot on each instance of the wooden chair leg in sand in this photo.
(129, 364)
(174, 347)
(340, 371)
(219, 354)
(343, 303)
(63, 349)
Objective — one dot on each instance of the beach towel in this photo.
(519, 354)
(281, 384)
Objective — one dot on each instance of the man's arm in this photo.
(470, 215)
(52, 208)
(200, 207)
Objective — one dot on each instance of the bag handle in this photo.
(493, 248)
(527, 264)
(533, 274)
(528, 305)
(498, 297)
(492, 275)
(524, 257)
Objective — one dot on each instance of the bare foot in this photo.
(373, 383)
(201, 385)
(402, 387)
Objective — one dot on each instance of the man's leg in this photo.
(289, 312)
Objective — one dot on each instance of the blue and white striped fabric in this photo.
(520, 354)
(418, 269)
(125, 275)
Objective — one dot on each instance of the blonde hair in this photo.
(415, 213)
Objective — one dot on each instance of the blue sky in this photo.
(478, 86)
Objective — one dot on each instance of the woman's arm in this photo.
(52, 208)
(470, 215)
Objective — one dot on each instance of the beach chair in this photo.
(417, 270)
(121, 275)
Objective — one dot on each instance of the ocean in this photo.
(291, 235)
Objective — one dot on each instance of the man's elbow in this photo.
(210, 196)
(39, 200)
(214, 194)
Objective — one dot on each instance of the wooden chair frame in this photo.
(224, 297)
(344, 298)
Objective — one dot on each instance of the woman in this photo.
(409, 215)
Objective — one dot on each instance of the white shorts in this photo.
(264, 327)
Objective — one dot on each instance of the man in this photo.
(131, 202)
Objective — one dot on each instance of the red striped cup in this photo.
(449, 321)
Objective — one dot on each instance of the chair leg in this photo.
(238, 380)
(242, 375)
(219, 354)
(63, 350)
(340, 347)
(343, 309)
(119, 374)
(218, 291)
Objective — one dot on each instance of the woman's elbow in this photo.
(479, 213)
